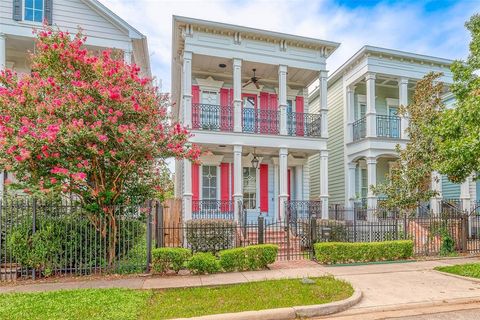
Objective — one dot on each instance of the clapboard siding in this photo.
(69, 15)
(450, 190)
(336, 146)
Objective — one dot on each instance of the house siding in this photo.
(450, 190)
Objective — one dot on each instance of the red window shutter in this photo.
(264, 107)
(300, 122)
(275, 125)
(224, 190)
(273, 101)
(195, 187)
(230, 100)
(263, 188)
(195, 107)
(226, 120)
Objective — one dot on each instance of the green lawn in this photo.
(466, 270)
(164, 304)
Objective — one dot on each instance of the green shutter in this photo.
(48, 11)
(17, 10)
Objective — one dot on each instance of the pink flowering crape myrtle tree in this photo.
(86, 125)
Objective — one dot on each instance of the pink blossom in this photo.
(59, 170)
(79, 176)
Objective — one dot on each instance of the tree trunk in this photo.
(112, 237)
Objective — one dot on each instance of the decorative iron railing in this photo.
(359, 129)
(303, 124)
(303, 209)
(212, 117)
(388, 126)
(212, 209)
(260, 121)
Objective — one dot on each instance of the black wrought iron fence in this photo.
(359, 129)
(388, 126)
(304, 124)
(263, 121)
(212, 117)
(212, 209)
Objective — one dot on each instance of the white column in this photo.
(371, 113)
(283, 180)
(237, 180)
(299, 182)
(324, 182)
(435, 201)
(352, 166)
(465, 194)
(237, 95)
(323, 103)
(187, 190)
(187, 89)
(3, 63)
(282, 98)
(350, 112)
(372, 181)
(403, 101)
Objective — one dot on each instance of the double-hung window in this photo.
(209, 183)
(209, 111)
(250, 188)
(34, 10)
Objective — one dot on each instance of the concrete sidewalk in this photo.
(383, 285)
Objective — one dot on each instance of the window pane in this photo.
(29, 14)
(209, 182)
(38, 4)
(28, 5)
(38, 16)
(209, 97)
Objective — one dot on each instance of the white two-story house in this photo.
(364, 127)
(104, 30)
(243, 94)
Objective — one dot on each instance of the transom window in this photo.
(34, 10)
(209, 97)
(209, 183)
(250, 188)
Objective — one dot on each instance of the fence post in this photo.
(159, 230)
(149, 237)
(34, 227)
(261, 230)
(464, 232)
(313, 235)
(354, 225)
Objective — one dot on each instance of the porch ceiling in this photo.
(272, 152)
(203, 65)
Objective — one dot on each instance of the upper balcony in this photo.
(386, 127)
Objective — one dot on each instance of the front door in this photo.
(393, 122)
(249, 112)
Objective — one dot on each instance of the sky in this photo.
(426, 27)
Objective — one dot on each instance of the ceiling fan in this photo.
(253, 80)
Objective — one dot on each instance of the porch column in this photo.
(350, 113)
(3, 63)
(187, 190)
(299, 183)
(323, 104)
(352, 166)
(324, 182)
(127, 56)
(371, 112)
(435, 201)
(237, 181)
(187, 89)
(465, 194)
(372, 181)
(283, 180)
(403, 101)
(237, 95)
(282, 98)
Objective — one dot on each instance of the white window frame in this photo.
(391, 103)
(217, 184)
(257, 185)
(210, 92)
(24, 7)
(361, 100)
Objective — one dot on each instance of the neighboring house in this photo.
(104, 29)
(364, 127)
(243, 93)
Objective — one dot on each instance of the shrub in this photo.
(165, 259)
(203, 262)
(233, 259)
(345, 252)
(205, 235)
(248, 258)
(332, 230)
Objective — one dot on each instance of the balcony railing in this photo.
(303, 124)
(359, 129)
(212, 117)
(212, 209)
(260, 121)
(388, 126)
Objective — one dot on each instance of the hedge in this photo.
(248, 258)
(346, 252)
(210, 235)
(203, 262)
(166, 259)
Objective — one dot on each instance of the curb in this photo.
(289, 313)
(477, 280)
